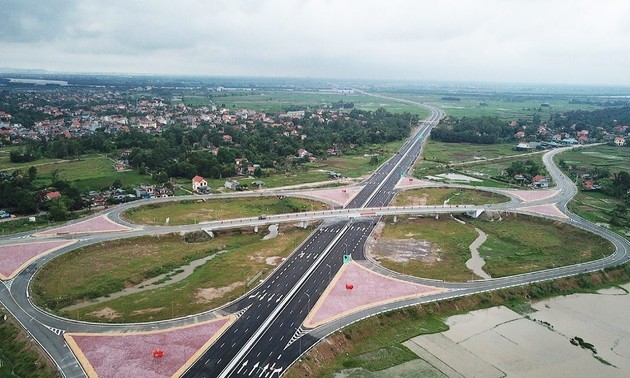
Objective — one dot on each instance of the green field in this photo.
(449, 153)
(278, 101)
(191, 212)
(109, 267)
(614, 159)
(517, 244)
(518, 107)
(7, 165)
(437, 196)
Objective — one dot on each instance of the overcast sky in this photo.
(529, 41)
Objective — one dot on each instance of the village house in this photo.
(231, 184)
(302, 153)
(199, 184)
(53, 195)
(620, 141)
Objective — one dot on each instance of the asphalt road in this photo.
(267, 337)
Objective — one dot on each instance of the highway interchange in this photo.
(268, 335)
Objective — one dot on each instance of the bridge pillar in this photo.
(395, 218)
(209, 232)
(256, 229)
(437, 216)
(303, 224)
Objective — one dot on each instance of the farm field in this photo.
(506, 107)
(613, 158)
(278, 101)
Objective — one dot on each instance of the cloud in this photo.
(486, 40)
(34, 21)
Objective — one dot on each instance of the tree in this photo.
(32, 173)
(374, 160)
(57, 210)
(117, 184)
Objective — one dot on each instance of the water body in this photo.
(149, 284)
(39, 82)
(476, 263)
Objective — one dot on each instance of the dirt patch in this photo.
(147, 311)
(405, 250)
(400, 250)
(420, 200)
(106, 313)
(273, 260)
(207, 295)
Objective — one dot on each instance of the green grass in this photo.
(375, 343)
(614, 159)
(438, 156)
(437, 196)
(91, 172)
(23, 225)
(517, 244)
(459, 152)
(109, 267)
(277, 101)
(450, 237)
(191, 212)
(499, 105)
(520, 244)
(18, 355)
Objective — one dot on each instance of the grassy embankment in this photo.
(191, 212)
(19, 355)
(517, 244)
(375, 343)
(109, 267)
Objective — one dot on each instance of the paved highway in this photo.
(268, 337)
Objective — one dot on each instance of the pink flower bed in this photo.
(368, 289)
(533, 195)
(98, 224)
(131, 355)
(550, 210)
(340, 195)
(14, 257)
(410, 182)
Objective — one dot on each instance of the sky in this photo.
(529, 41)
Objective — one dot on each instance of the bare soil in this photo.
(400, 250)
(206, 295)
(106, 313)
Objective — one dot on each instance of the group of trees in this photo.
(182, 152)
(528, 168)
(480, 130)
(20, 192)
